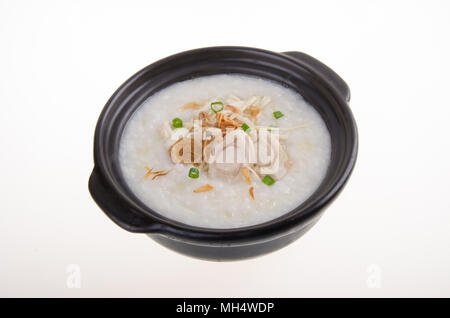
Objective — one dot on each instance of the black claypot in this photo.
(317, 83)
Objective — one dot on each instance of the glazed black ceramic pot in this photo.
(317, 83)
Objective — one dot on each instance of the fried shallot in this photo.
(204, 188)
(251, 193)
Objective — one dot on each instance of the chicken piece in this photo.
(210, 149)
(283, 166)
(236, 149)
(276, 161)
(224, 169)
(193, 146)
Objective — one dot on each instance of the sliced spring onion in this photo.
(268, 180)
(177, 123)
(245, 127)
(216, 107)
(194, 173)
(278, 114)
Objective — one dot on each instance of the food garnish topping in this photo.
(204, 188)
(219, 118)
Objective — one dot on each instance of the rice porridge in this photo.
(174, 173)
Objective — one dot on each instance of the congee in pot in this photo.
(224, 151)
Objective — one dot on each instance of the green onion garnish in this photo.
(245, 127)
(278, 114)
(177, 123)
(216, 107)
(268, 180)
(193, 173)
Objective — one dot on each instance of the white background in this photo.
(61, 60)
